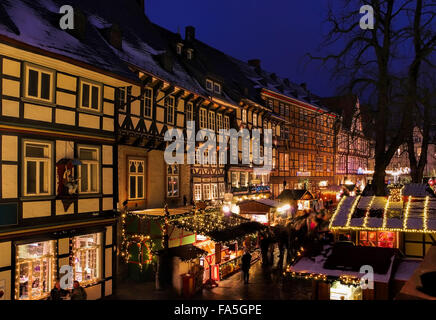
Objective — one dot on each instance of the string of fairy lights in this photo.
(368, 209)
(353, 208)
(344, 279)
(202, 222)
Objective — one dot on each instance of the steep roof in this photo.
(36, 23)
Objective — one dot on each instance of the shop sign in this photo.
(303, 173)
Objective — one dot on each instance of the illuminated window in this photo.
(36, 270)
(382, 239)
(214, 189)
(255, 119)
(212, 120)
(206, 192)
(197, 192)
(37, 168)
(244, 116)
(89, 175)
(226, 123)
(203, 118)
(222, 189)
(189, 112)
(148, 102)
(170, 106)
(173, 181)
(123, 94)
(219, 121)
(87, 258)
(179, 48)
(136, 179)
(189, 54)
(90, 96)
(39, 83)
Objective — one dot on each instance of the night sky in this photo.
(279, 32)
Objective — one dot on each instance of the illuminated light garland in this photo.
(385, 213)
(424, 222)
(336, 212)
(344, 279)
(406, 214)
(368, 210)
(353, 208)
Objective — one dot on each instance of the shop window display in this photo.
(87, 258)
(383, 239)
(35, 270)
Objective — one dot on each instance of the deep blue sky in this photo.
(279, 32)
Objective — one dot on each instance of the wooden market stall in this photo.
(299, 199)
(336, 273)
(224, 237)
(262, 211)
(405, 219)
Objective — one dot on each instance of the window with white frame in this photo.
(39, 83)
(222, 189)
(170, 105)
(209, 85)
(217, 88)
(189, 54)
(179, 48)
(244, 115)
(123, 94)
(87, 257)
(197, 192)
(214, 189)
(203, 118)
(136, 179)
(37, 168)
(148, 102)
(173, 180)
(255, 119)
(89, 169)
(212, 120)
(219, 121)
(226, 123)
(189, 111)
(90, 95)
(206, 192)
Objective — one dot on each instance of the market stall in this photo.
(300, 200)
(336, 273)
(224, 237)
(261, 211)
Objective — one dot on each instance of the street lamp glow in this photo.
(284, 208)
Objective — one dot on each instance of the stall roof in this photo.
(337, 262)
(217, 226)
(161, 211)
(295, 194)
(262, 206)
(186, 252)
(414, 214)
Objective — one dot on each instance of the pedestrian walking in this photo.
(78, 292)
(246, 264)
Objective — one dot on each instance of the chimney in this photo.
(80, 20)
(141, 4)
(114, 36)
(286, 82)
(274, 76)
(254, 63)
(304, 86)
(189, 33)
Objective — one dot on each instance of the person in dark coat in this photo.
(246, 264)
(264, 245)
(57, 293)
(78, 292)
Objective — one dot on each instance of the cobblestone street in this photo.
(264, 285)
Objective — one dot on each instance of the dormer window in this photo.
(179, 48)
(217, 88)
(213, 86)
(209, 85)
(189, 54)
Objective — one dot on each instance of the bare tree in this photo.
(367, 62)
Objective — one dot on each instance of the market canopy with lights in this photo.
(409, 208)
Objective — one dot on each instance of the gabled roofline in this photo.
(297, 102)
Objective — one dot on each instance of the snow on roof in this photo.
(397, 216)
(417, 190)
(405, 269)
